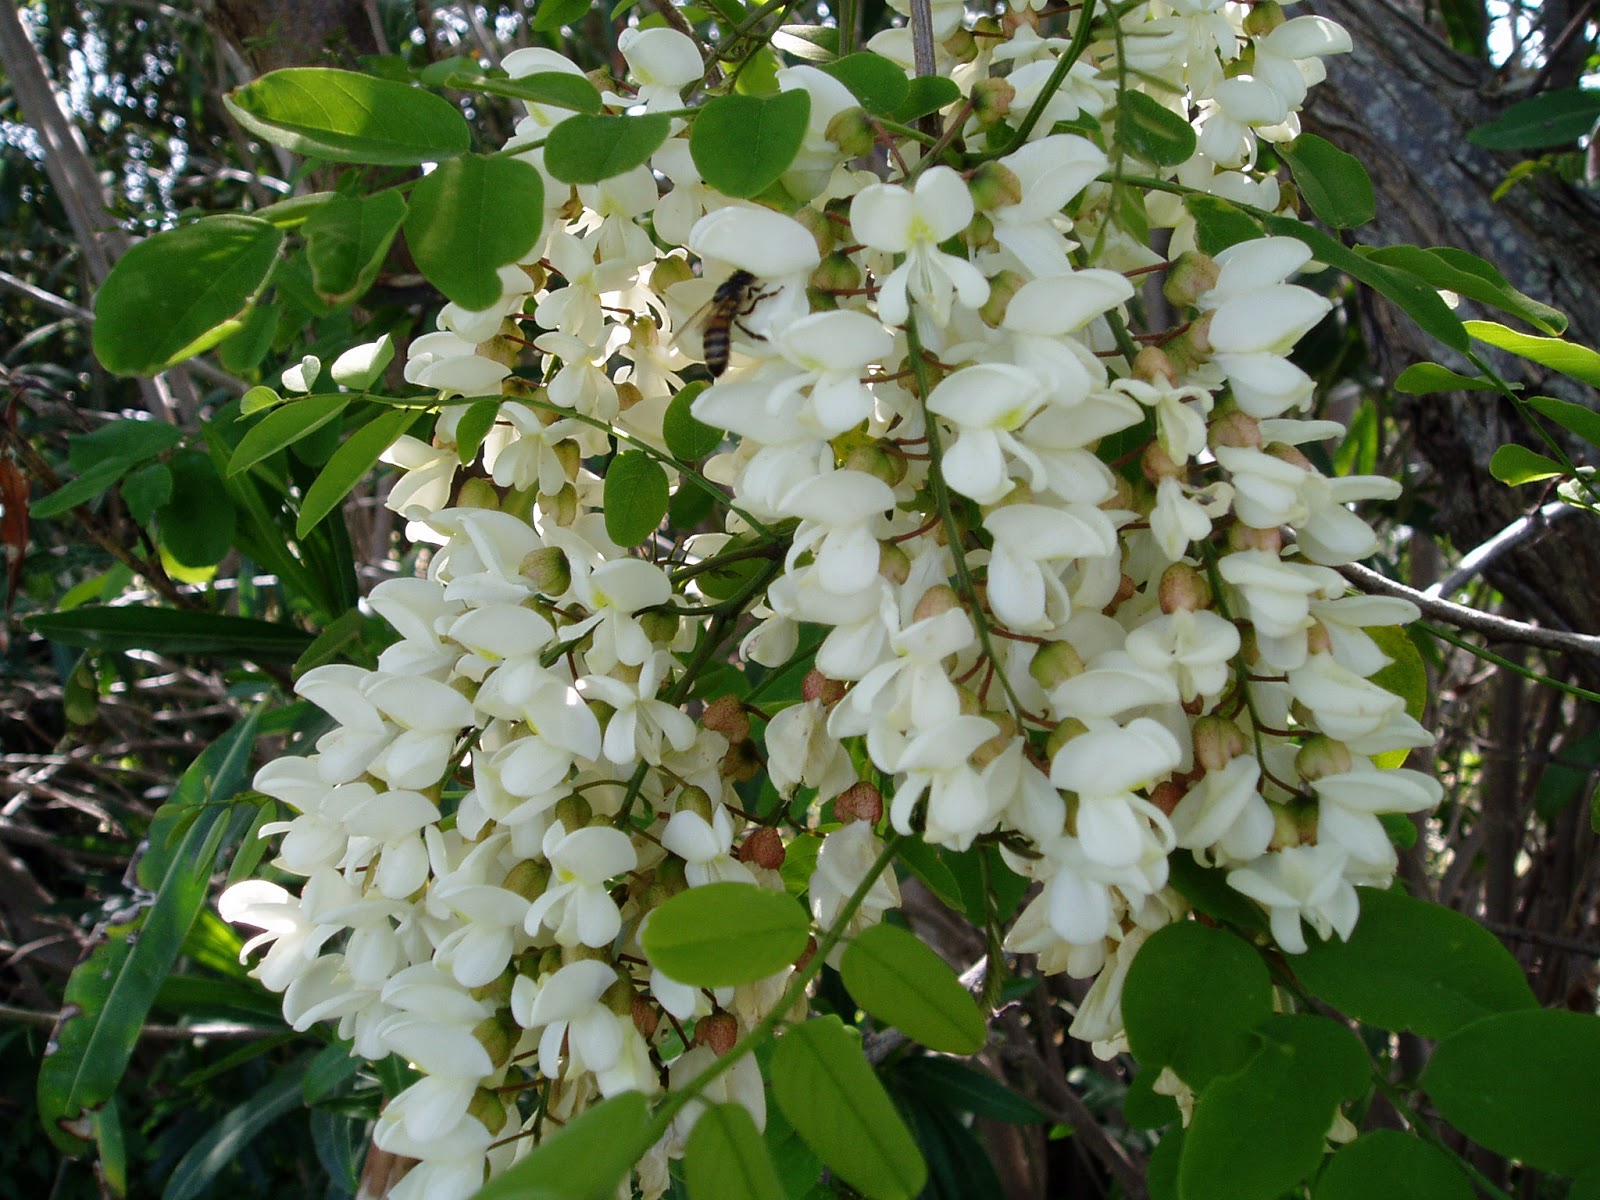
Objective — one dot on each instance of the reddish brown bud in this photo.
(861, 801)
(1183, 588)
(645, 1017)
(726, 715)
(764, 848)
(817, 686)
(719, 1031)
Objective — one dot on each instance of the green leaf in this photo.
(923, 861)
(902, 982)
(688, 439)
(1426, 378)
(587, 149)
(344, 116)
(83, 489)
(1218, 224)
(1373, 1163)
(551, 15)
(965, 1089)
(926, 94)
(1257, 1133)
(1523, 1085)
(1153, 131)
(1574, 418)
(109, 994)
(1406, 676)
(1580, 362)
(555, 88)
(470, 217)
(196, 524)
(584, 1160)
(726, 1158)
(635, 497)
(294, 211)
(1555, 118)
(474, 426)
(1414, 966)
(1207, 889)
(1469, 276)
(218, 1149)
(361, 366)
(742, 144)
(146, 490)
(725, 934)
(1192, 997)
(241, 352)
(825, 1088)
(1415, 298)
(181, 292)
(811, 43)
(1143, 1107)
(170, 631)
(125, 439)
(350, 464)
(1335, 184)
(346, 241)
(284, 426)
(1516, 465)
(878, 83)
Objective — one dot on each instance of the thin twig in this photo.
(156, 1033)
(1523, 529)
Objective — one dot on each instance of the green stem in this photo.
(1064, 64)
(1461, 643)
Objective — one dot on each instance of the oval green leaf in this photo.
(1580, 362)
(584, 1160)
(1416, 967)
(350, 464)
(903, 983)
(346, 241)
(635, 497)
(126, 439)
(926, 94)
(146, 490)
(551, 15)
(181, 292)
(1218, 224)
(1374, 1163)
(1191, 999)
(1574, 418)
(1152, 131)
(587, 149)
(1334, 183)
(727, 1160)
(555, 88)
(344, 116)
(725, 934)
(1523, 1085)
(688, 438)
(1406, 676)
(1516, 465)
(878, 83)
(1426, 378)
(827, 1091)
(1554, 118)
(196, 524)
(284, 426)
(742, 144)
(470, 217)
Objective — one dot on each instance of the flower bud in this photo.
(1247, 537)
(498, 1035)
(628, 394)
(669, 271)
(1292, 455)
(537, 275)
(718, 1030)
(1234, 429)
(528, 879)
(570, 455)
(991, 104)
(817, 686)
(548, 571)
(1151, 365)
(562, 507)
(1318, 640)
(1156, 464)
(1055, 664)
(487, 1109)
(764, 847)
(574, 812)
(1127, 589)
(894, 564)
(660, 627)
(1321, 756)
(478, 493)
(1285, 828)
(518, 502)
(645, 1017)
(1166, 795)
(619, 996)
(1217, 742)
(696, 800)
(992, 749)
(979, 234)
(861, 801)
(1197, 338)
(1016, 16)
(936, 601)
(1063, 733)
(1002, 288)
(1190, 277)
(572, 954)
(1264, 16)
(835, 273)
(726, 715)
(870, 458)
(1183, 588)
(741, 763)
(498, 990)
(823, 231)
(961, 46)
(851, 130)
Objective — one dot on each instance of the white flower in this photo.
(1031, 542)
(987, 403)
(847, 854)
(1223, 818)
(661, 61)
(1349, 804)
(888, 217)
(576, 904)
(641, 722)
(1301, 882)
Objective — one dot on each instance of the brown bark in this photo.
(297, 33)
(1403, 102)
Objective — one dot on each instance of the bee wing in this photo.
(686, 338)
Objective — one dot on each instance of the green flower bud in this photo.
(669, 271)
(1321, 756)
(1264, 16)
(1055, 664)
(852, 131)
(528, 879)
(1217, 742)
(498, 1035)
(487, 1109)
(1190, 277)
(562, 507)
(1184, 588)
(478, 493)
(894, 564)
(696, 800)
(548, 570)
(991, 104)
(1063, 733)
(1002, 288)
(659, 627)
(574, 812)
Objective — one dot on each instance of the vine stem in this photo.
(676, 1101)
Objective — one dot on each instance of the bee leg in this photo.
(749, 333)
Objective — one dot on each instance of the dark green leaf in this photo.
(1334, 183)
(924, 862)
(181, 292)
(810, 43)
(294, 211)
(635, 497)
(83, 489)
(1373, 1163)
(1523, 1085)
(110, 992)
(170, 631)
(1414, 966)
(125, 439)
(965, 1089)
(1143, 1107)
(879, 84)
(285, 426)
(691, 504)
(146, 490)
(1516, 465)
(742, 144)
(474, 426)
(242, 352)
(1191, 999)
(470, 217)
(1218, 224)
(555, 88)
(1469, 276)
(585, 1160)
(551, 15)
(1153, 131)
(1574, 418)
(726, 1158)
(350, 464)
(1555, 118)
(219, 1147)
(346, 241)
(903, 983)
(688, 438)
(196, 525)
(1425, 378)
(926, 94)
(1293, 1087)
(830, 1095)
(344, 116)
(587, 149)
(1580, 362)
(724, 934)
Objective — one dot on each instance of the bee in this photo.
(736, 297)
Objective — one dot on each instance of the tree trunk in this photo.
(1403, 102)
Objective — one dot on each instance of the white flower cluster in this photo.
(1074, 583)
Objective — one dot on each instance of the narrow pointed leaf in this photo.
(1574, 418)
(284, 426)
(1426, 378)
(1334, 183)
(170, 631)
(585, 1160)
(555, 88)
(1569, 358)
(1469, 276)
(1516, 465)
(350, 464)
(1555, 118)
(903, 983)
